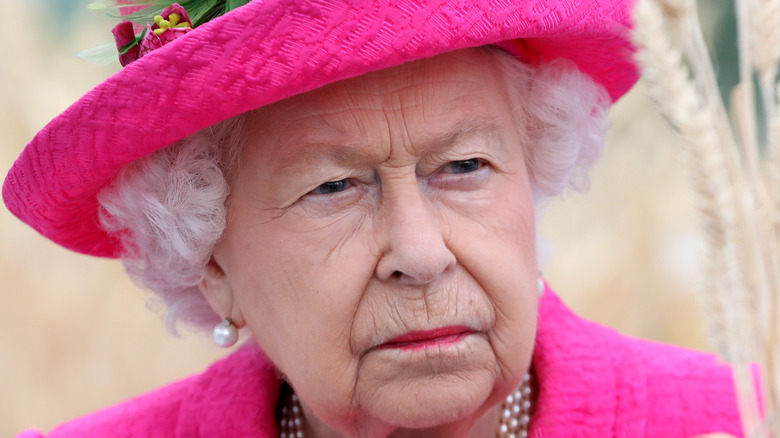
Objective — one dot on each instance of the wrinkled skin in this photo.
(391, 202)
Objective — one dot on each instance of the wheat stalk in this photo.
(682, 105)
(738, 197)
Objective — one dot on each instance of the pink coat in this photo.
(593, 382)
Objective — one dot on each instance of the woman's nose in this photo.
(413, 239)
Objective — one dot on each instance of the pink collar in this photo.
(582, 380)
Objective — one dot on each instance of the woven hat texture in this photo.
(269, 50)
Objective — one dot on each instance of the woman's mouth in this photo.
(421, 339)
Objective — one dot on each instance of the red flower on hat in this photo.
(172, 23)
(126, 42)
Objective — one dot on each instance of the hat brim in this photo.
(267, 51)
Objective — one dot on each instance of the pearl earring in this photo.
(540, 285)
(225, 333)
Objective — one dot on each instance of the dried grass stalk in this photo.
(682, 105)
(738, 196)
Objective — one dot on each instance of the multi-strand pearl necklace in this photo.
(513, 420)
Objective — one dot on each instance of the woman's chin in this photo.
(425, 388)
(425, 407)
(441, 401)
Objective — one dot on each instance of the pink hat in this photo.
(269, 50)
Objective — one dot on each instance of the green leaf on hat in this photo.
(124, 49)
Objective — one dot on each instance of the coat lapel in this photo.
(235, 398)
(581, 387)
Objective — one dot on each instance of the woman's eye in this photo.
(464, 166)
(331, 187)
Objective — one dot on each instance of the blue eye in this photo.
(465, 166)
(331, 187)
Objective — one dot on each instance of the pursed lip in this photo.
(417, 339)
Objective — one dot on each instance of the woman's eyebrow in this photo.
(312, 153)
(317, 153)
(463, 130)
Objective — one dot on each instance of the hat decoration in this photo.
(172, 23)
(164, 22)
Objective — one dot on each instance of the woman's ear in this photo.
(218, 291)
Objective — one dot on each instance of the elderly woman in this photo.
(355, 185)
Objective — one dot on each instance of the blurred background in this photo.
(75, 335)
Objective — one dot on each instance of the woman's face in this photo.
(381, 245)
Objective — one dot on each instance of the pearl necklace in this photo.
(515, 413)
(513, 421)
